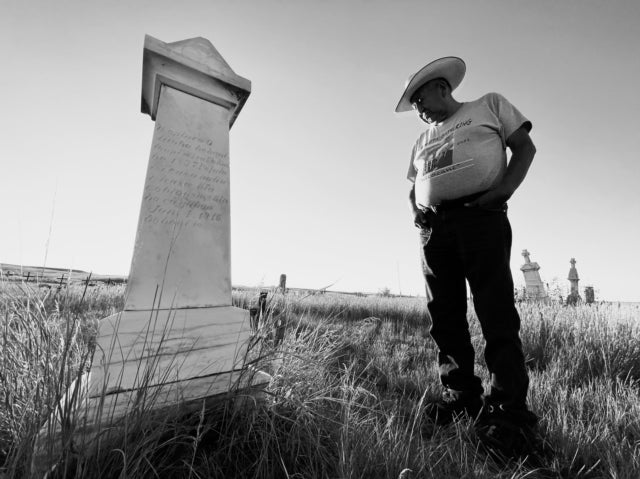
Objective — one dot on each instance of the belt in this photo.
(447, 205)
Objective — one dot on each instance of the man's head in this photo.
(432, 100)
(433, 78)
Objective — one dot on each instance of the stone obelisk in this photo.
(178, 336)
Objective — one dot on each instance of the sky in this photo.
(318, 155)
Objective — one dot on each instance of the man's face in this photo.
(428, 101)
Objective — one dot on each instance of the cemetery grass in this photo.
(350, 378)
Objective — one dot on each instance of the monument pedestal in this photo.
(148, 348)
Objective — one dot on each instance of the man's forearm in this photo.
(518, 167)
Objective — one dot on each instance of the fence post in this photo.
(86, 284)
(262, 306)
(253, 318)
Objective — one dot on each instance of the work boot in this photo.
(453, 406)
(511, 434)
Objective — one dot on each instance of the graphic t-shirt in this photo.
(466, 153)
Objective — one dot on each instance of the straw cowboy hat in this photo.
(451, 69)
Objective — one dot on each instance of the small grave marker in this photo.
(589, 295)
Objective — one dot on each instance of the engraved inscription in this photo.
(188, 181)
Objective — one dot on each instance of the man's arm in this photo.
(522, 152)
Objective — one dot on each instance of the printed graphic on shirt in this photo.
(435, 155)
(449, 169)
(438, 152)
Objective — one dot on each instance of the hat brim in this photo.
(451, 69)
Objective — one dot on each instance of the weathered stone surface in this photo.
(148, 348)
(182, 255)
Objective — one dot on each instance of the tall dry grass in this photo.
(45, 335)
(350, 378)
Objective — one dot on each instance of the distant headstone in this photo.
(574, 295)
(534, 287)
(589, 295)
(283, 283)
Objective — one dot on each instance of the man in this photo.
(461, 181)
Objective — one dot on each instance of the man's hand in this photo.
(494, 198)
(420, 218)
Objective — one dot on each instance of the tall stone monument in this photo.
(533, 284)
(178, 335)
(574, 294)
(178, 338)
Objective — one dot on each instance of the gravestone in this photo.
(574, 294)
(533, 284)
(178, 324)
(589, 295)
(178, 338)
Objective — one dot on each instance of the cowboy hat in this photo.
(451, 69)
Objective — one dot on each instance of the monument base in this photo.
(137, 349)
(150, 361)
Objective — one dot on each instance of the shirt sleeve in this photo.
(508, 115)
(411, 173)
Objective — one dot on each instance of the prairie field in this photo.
(350, 376)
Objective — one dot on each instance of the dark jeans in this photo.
(474, 243)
